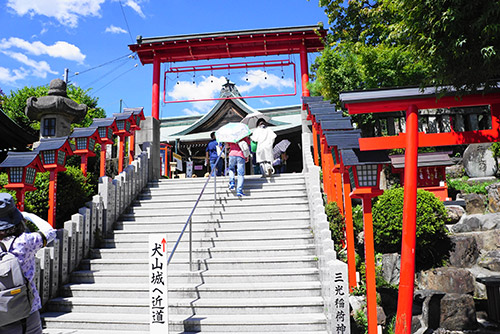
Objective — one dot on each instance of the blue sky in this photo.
(40, 38)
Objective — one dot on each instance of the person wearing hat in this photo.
(24, 245)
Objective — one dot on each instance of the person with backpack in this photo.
(239, 154)
(16, 240)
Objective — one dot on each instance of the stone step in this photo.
(217, 236)
(244, 241)
(224, 196)
(223, 204)
(268, 198)
(217, 228)
(284, 323)
(212, 276)
(223, 190)
(212, 252)
(249, 322)
(249, 179)
(89, 331)
(177, 224)
(99, 331)
(189, 306)
(250, 214)
(205, 264)
(195, 290)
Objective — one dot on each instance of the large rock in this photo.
(455, 212)
(455, 171)
(458, 312)
(490, 260)
(465, 251)
(493, 197)
(391, 264)
(475, 203)
(477, 222)
(478, 161)
(446, 279)
(426, 308)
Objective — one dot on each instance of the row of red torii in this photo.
(351, 167)
(51, 153)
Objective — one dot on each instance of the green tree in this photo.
(14, 105)
(458, 39)
(364, 50)
(385, 43)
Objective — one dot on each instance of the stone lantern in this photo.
(55, 111)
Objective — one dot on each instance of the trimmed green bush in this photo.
(432, 242)
(73, 191)
(337, 224)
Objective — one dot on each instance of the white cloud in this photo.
(136, 7)
(59, 49)
(66, 12)
(8, 77)
(264, 101)
(262, 79)
(207, 88)
(190, 112)
(39, 68)
(115, 30)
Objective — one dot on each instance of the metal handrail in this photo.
(190, 218)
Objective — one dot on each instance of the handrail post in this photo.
(191, 243)
(215, 187)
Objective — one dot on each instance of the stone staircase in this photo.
(255, 270)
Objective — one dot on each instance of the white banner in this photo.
(158, 290)
(178, 159)
(189, 168)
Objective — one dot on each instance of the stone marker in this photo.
(479, 161)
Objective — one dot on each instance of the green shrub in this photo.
(465, 188)
(73, 191)
(4, 179)
(337, 224)
(432, 242)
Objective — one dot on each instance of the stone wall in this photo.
(333, 272)
(89, 226)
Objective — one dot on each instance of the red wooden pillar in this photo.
(20, 196)
(155, 105)
(304, 71)
(121, 153)
(405, 296)
(371, 289)
(315, 144)
(102, 165)
(337, 181)
(83, 164)
(349, 231)
(131, 147)
(52, 197)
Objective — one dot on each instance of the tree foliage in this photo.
(14, 105)
(387, 43)
(458, 39)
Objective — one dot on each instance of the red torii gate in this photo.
(411, 100)
(232, 44)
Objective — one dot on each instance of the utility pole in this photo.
(66, 71)
(121, 101)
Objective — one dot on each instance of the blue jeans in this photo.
(219, 166)
(237, 165)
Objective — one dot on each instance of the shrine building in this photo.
(188, 136)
